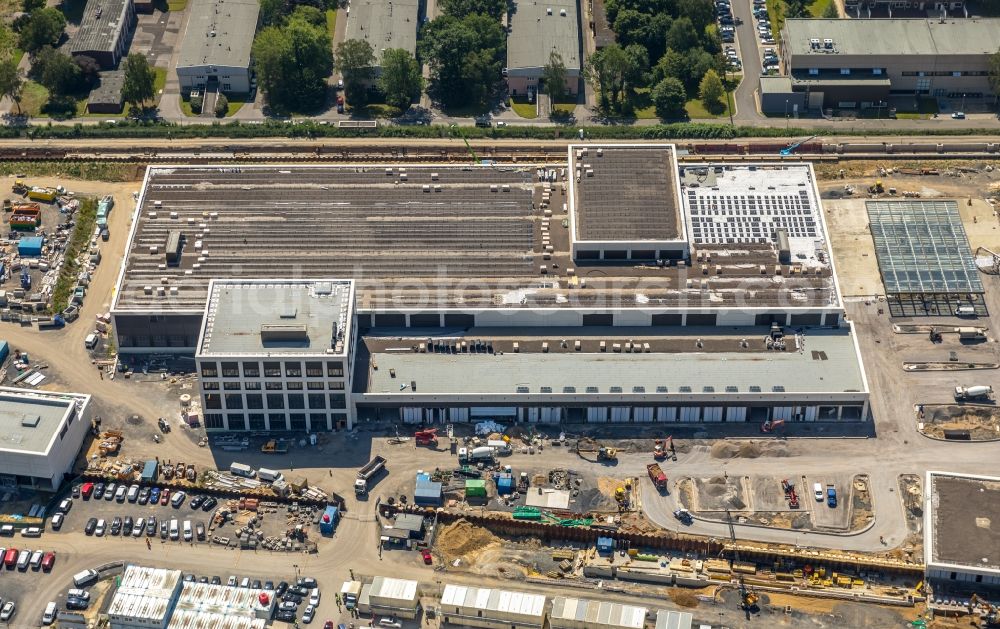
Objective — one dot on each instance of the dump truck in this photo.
(46, 195)
(657, 476)
(366, 473)
(977, 392)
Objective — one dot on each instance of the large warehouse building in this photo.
(538, 29)
(961, 540)
(845, 64)
(40, 436)
(501, 292)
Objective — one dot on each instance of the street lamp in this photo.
(296, 566)
(786, 113)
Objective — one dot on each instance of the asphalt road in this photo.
(750, 57)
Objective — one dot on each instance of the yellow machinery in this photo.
(878, 188)
(607, 454)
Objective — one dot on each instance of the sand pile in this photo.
(463, 538)
(724, 450)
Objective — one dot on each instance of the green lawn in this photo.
(33, 98)
(523, 108)
(381, 110)
(186, 108)
(567, 108)
(159, 82)
(696, 109)
(234, 106)
(331, 22)
(817, 7)
(465, 111)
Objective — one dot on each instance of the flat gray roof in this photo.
(110, 88)
(384, 24)
(29, 421)
(775, 84)
(277, 317)
(829, 363)
(893, 37)
(219, 33)
(102, 21)
(965, 512)
(537, 27)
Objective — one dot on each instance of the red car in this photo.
(87, 490)
(428, 558)
(328, 624)
(165, 497)
(10, 559)
(47, 561)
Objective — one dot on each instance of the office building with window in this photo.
(847, 64)
(105, 32)
(216, 49)
(276, 355)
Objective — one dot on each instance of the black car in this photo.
(128, 524)
(189, 578)
(209, 504)
(98, 491)
(287, 616)
(105, 234)
(301, 590)
(256, 585)
(75, 602)
(291, 597)
(216, 580)
(196, 502)
(116, 526)
(268, 585)
(202, 579)
(91, 525)
(306, 582)
(281, 589)
(163, 529)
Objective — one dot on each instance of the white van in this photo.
(187, 530)
(36, 559)
(49, 615)
(81, 579)
(965, 311)
(268, 476)
(90, 342)
(22, 560)
(174, 532)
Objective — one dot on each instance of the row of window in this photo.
(275, 401)
(272, 369)
(312, 422)
(237, 385)
(881, 71)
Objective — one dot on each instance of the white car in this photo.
(231, 582)
(102, 526)
(818, 492)
(307, 615)
(314, 597)
(139, 528)
(958, 115)
(8, 611)
(84, 594)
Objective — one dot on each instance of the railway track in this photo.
(532, 154)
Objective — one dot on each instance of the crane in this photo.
(748, 599)
(468, 147)
(790, 149)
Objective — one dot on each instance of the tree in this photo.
(711, 91)
(138, 85)
(356, 60)
(554, 77)
(11, 80)
(994, 72)
(292, 64)
(682, 35)
(196, 103)
(309, 14)
(57, 72)
(44, 27)
(461, 8)
(221, 105)
(700, 12)
(272, 12)
(831, 12)
(89, 68)
(669, 98)
(400, 80)
(465, 56)
(29, 6)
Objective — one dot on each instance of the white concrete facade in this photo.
(42, 433)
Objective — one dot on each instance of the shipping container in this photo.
(328, 521)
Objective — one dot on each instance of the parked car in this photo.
(101, 528)
(209, 504)
(133, 493)
(165, 497)
(163, 529)
(178, 499)
(151, 526)
(48, 561)
(287, 606)
(289, 616)
(8, 611)
(73, 602)
(306, 582)
(281, 589)
(109, 493)
(428, 558)
(65, 506)
(314, 597)
(231, 582)
(120, 493)
(144, 495)
(98, 491)
(291, 597)
(308, 614)
(196, 502)
(57, 521)
(116, 526)
(139, 528)
(958, 115)
(78, 593)
(154, 495)
(216, 580)
(91, 525)
(127, 524)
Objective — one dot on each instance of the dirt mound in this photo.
(462, 538)
(724, 450)
(715, 490)
(683, 598)
(749, 450)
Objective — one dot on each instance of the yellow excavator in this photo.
(991, 615)
(748, 598)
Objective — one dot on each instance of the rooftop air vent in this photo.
(31, 421)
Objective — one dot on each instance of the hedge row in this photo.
(311, 129)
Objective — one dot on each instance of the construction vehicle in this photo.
(607, 454)
(876, 188)
(748, 598)
(366, 473)
(523, 482)
(623, 495)
(790, 149)
(989, 613)
(46, 195)
(770, 425)
(275, 446)
(657, 476)
(19, 187)
(659, 451)
(790, 495)
(426, 437)
(978, 392)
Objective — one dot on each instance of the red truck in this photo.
(657, 476)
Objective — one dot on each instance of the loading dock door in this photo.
(712, 414)
(690, 413)
(531, 414)
(458, 414)
(642, 414)
(783, 412)
(494, 411)
(412, 415)
(812, 413)
(620, 414)
(736, 414)
(551, 415)
(597, 414)
(666, 414)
